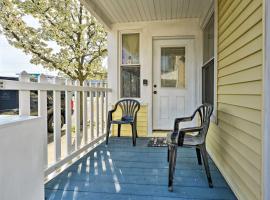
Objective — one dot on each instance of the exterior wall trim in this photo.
(266, 105)
(119, 58)
(98, 13)
(214, 117)
(205, 19)
(173, 37)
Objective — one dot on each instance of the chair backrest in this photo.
(129, 107)
(205, 111)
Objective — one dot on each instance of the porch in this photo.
(237, 139)
(120, 171)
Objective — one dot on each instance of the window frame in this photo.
(210, 59)
(213, 13)
(120, 64)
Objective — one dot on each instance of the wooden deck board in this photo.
(121, 171)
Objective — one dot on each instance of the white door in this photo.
(173, 81)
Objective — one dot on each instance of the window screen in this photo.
(130, 81)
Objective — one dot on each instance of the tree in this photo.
(81, 39)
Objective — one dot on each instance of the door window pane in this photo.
(130, 48)
(173, 67)
(130, 81)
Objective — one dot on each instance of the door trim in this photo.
(173, 37)
(194, 69)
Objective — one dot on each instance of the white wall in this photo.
(21, 158)
(148, 30)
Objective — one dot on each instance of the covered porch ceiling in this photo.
(110, 12)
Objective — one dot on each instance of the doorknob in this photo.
(155, 92)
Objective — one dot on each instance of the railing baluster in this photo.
(77, 117)
(43, 86)
(57, 120)
(102, 109)
(106, 103)
(85, 132)
(68, 95)
(24, 96)
(42, 112)
(97, 109)
(92, 122)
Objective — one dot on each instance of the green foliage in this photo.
(82, 40)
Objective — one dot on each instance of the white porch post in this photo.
(97, 110)
(68, 95)
(57, 120)
(92, 113)
(24, 96)
(85, 119)
(42, 112)
(77, 117)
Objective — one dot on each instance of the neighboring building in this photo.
(174, 59)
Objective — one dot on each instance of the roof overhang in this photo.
(109, 12)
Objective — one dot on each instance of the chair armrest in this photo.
(178, 120)
(110, 114)
(172, 137)
(191, 129)
(183, 119)
(114, 109)
(183, 132)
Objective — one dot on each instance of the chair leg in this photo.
(172, 163)
(108, 132)
(198, 151)
(168, 154)
(136, 130)
(119, 129)
(133, 134)
(206, 165)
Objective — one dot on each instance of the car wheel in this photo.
(62, 120)
(50, 123)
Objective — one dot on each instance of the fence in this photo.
(88, 131)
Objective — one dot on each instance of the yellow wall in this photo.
(235, 142)
(126, 129)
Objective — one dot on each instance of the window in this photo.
(130, 48)
(130, 65)
(208, 41)
(173, 67)
(130, 81)
(208, 83)
(208, 59)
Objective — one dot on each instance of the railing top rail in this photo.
(26, 86)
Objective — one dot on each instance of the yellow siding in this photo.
(142, 128)
(235, 141)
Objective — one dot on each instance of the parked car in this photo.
(9, 104)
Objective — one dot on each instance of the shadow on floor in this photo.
(121, 171)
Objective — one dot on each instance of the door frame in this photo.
(193, 70)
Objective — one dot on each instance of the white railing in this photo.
(79, 137)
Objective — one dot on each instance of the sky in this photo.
(13, 60)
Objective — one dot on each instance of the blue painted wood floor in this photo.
(121, 171)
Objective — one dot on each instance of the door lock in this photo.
(155, 92)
